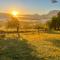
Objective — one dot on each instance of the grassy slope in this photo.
(47, 46)
(16, 50)
(41, 46)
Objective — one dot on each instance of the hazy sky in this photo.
(28, 6)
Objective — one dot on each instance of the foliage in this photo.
(55, 22)
(13, 23)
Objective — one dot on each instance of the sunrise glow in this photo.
(15, 13)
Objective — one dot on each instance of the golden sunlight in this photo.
(14, 13)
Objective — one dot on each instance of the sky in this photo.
(29, 6)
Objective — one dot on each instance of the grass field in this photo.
(31, 46)
(46, 45)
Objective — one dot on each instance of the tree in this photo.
(38, 26)
(55, 22)
(13, 24)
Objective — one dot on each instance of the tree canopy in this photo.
(55, 22)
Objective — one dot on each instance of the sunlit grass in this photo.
(40, 36)
(45, 46)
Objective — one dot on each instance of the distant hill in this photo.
(37, 17)
(48, 16)
(5, 16)
(42, 18)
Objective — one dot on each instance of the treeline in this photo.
(50, 25)
(53, 24)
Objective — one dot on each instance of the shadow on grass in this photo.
(11, 49)
(56, 42)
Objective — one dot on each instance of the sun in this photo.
(14, 13)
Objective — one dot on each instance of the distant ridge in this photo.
(43, 18)
(5, 16)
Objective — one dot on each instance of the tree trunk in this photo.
(18, 35)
